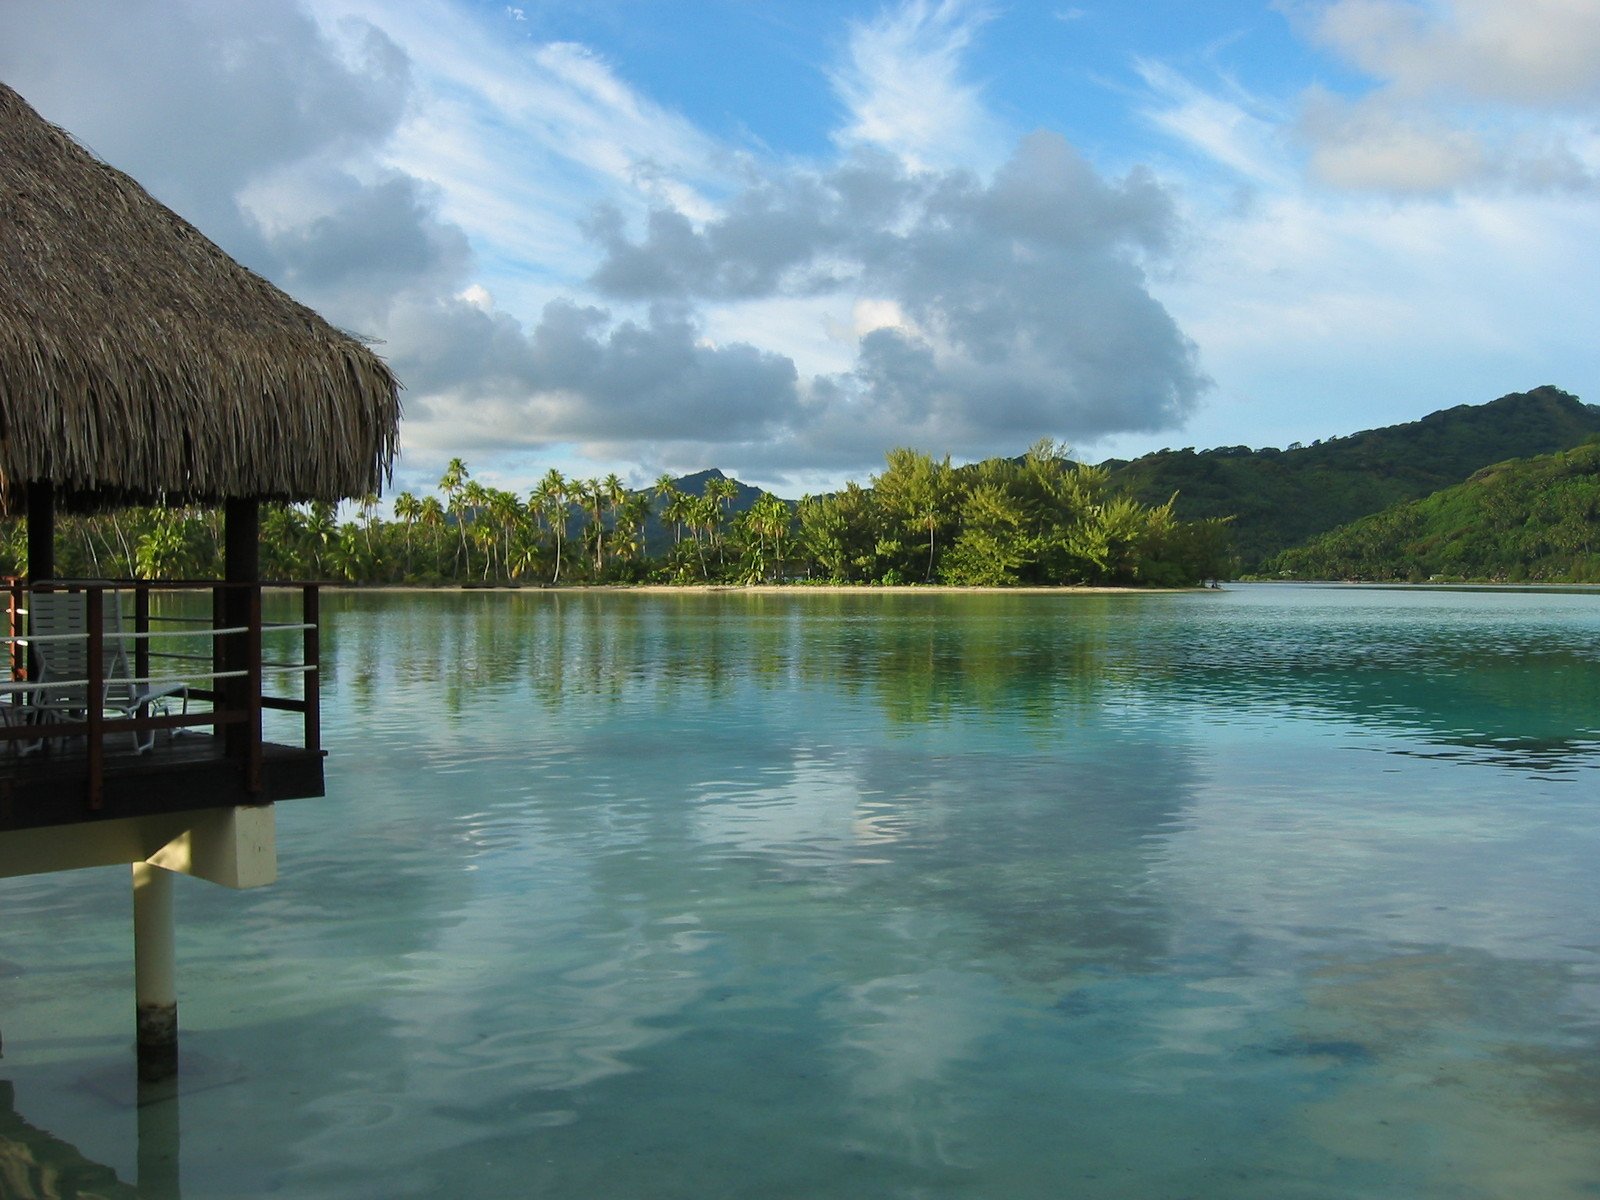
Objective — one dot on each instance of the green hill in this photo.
(1532, 519)
(1280, 498)
(659, 536)
(695, 485)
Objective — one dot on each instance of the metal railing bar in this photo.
(150, 635)
(275, 668)
(51, 637)
(235, 695)
(266, 626)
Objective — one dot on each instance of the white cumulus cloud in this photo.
(1464, 94)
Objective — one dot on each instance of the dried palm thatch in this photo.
(139, 363)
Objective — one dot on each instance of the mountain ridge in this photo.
(1522, 520)
(1281, 498)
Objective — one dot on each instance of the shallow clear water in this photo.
(1273, 892)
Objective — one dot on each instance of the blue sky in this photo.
(782, 237)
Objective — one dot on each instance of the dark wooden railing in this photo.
(233, 677)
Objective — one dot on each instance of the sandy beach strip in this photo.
(763, 589)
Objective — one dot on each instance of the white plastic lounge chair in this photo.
(13, 713)
(59, 625)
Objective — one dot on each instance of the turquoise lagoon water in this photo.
(1270, 892)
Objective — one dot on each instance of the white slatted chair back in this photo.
(64, 665)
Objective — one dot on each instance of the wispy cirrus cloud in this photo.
(1241, 133)
(523, 137)
(1346, 233)
(904, 87)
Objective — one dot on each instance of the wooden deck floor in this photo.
(188, 771)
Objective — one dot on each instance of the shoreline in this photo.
(766, 589)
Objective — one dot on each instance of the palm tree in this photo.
(667, 495)
(680, 510)
(474, 502)
(282, 542)
(631, 516)
(407, 508)
(346, 555)
(768, 518)
(210, 520)
(122, 540)
(452, 483)
(592, 494)
(483, 534)
(86, 532)
(702, 516)
(549, 498)
(430, 515)
(721, 493)
(321, 530)
(368, 506)
(613, 492)
(506, 512)
(498, 514)
(160, 553)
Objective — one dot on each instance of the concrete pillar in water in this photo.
(155, 972)
(158, 1164)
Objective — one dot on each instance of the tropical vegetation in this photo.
(1042, 519)
(1281, 498)
(1527, 520)
(1381, 504)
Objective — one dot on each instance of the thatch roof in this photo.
(138, 362)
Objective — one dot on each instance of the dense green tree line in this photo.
(1041, 520)
(1282, 498)
(1535, 519)
(1044, 519)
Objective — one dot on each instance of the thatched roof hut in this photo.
(140, 363)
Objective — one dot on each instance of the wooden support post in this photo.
(41, 529)
(17, 602)
(311, 617)
(41, 542)
(241, 534)
(242, 565)
(252, 695)
(155, 972)
(94, 600)
(141, 626)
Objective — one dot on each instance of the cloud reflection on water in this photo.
(908, 895)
